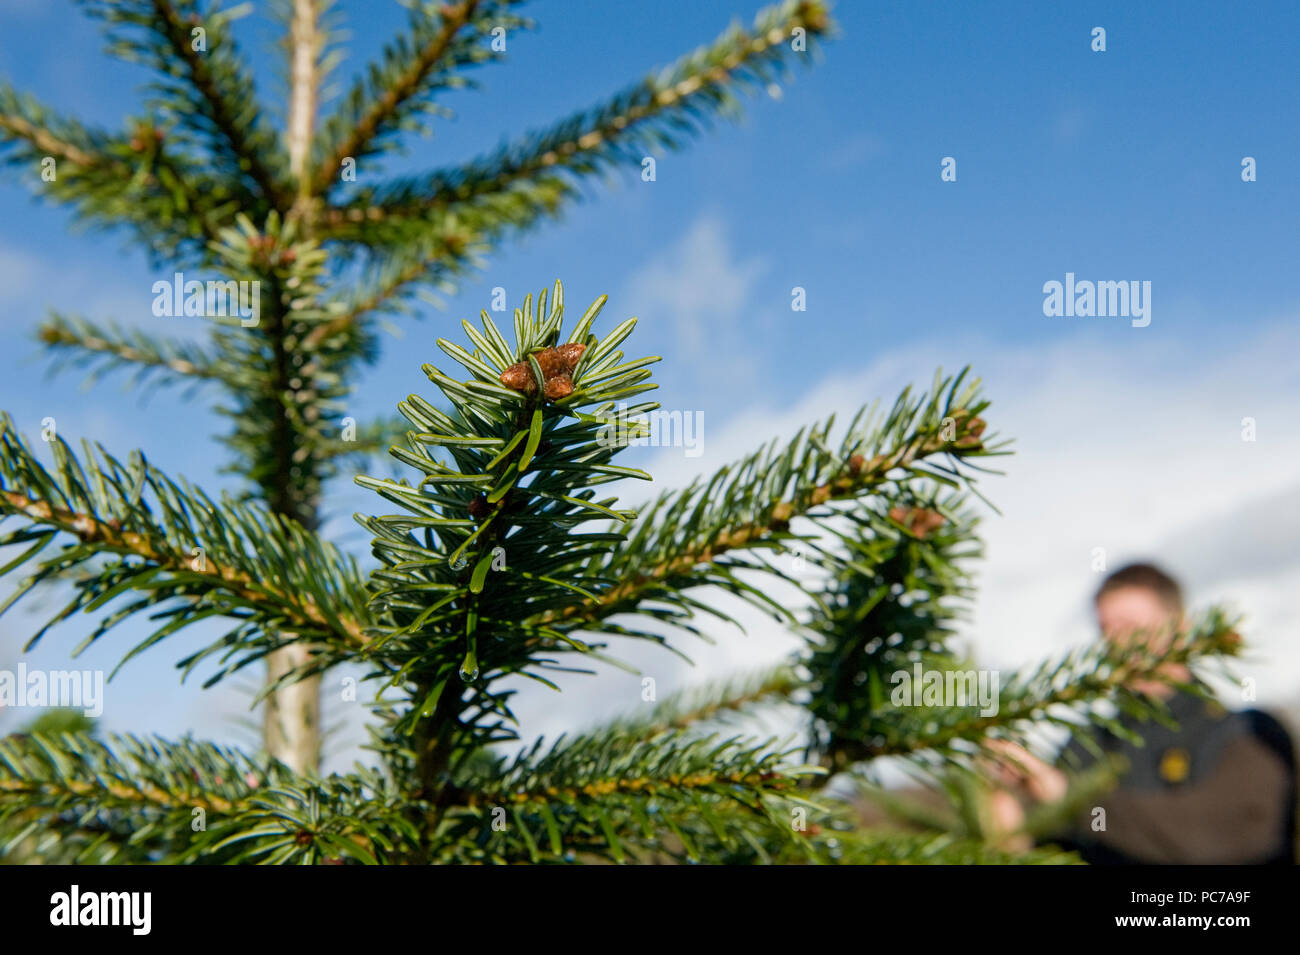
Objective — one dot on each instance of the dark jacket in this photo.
(1218, 790)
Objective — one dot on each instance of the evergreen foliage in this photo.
(502, 557)
(504, 552)
(208, 185)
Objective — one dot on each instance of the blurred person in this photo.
(1220, 788)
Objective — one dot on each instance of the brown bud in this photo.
(782, 513)
(561, 386)
(551, 362)
(920, 521)
(519, 377)
(855, 464)
(557, 365)
(570, 354)
(479, 508)
(926, 522)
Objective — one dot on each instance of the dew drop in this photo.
(469, 666)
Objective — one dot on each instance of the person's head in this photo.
(1138, 599)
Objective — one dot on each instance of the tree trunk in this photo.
(291, 719)
(291, 728)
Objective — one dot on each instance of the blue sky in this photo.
(1122, 165)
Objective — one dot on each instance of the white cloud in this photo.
(701, 289)
(852, 152)
(120, 291)
(1069, 125)
(19, 274)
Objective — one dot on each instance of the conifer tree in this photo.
(206, 184)
(502, 556)
(504, 552)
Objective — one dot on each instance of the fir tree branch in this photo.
(596, 793)
(172, 202)
(136, 800)
(208, 90)
(176, 545)
(696, 536)
(111, 347)
(40, 135)
(1062, 692)
(225, 91)
(413, 67)
(142, 774)
(661, 111)
(901, 583)
(591, 799)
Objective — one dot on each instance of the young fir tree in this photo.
(500, 556)
(209, 187)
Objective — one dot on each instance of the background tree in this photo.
(504, 557)
(207, 185)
